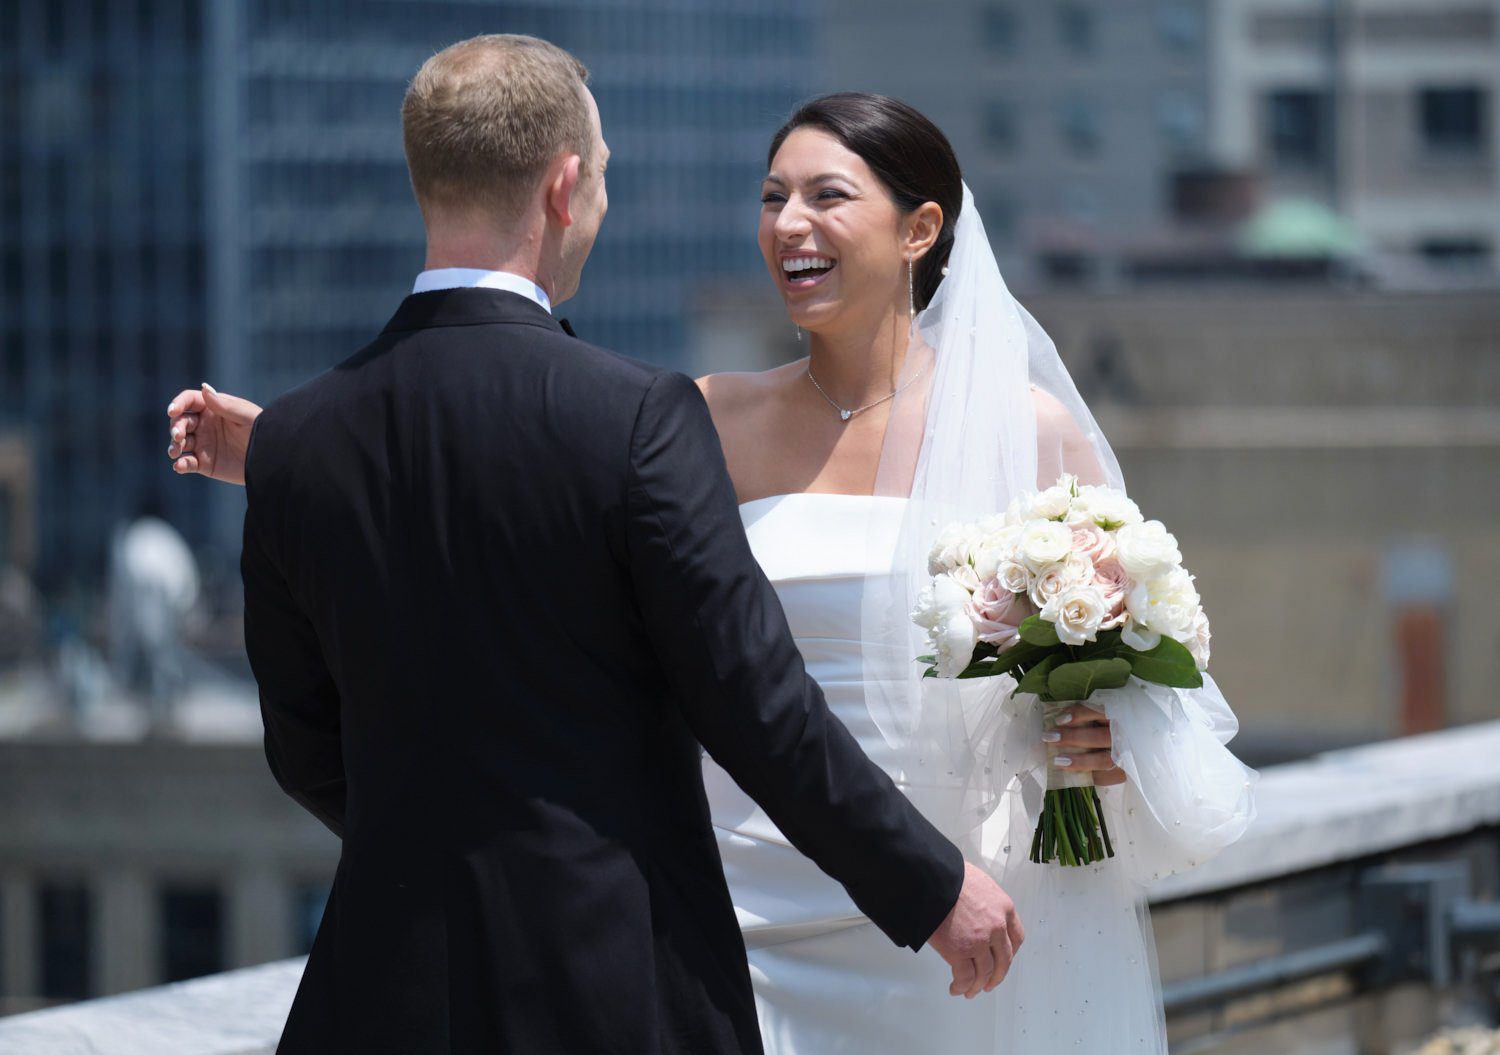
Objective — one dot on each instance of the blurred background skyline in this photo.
(1263, 233)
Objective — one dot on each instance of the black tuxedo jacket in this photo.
(497, 592)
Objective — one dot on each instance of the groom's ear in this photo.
(562, 181)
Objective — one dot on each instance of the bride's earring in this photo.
(799, 332)
(911, 298)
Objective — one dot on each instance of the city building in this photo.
(196, 190)
(1107, 142)
(1384, 110)
(1069, 118)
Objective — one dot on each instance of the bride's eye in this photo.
(769, 197)
(830, 194)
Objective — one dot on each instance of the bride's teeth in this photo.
(802, 263)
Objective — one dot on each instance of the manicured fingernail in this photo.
(211, 388)
(1064, 719)
(1062, 760)
(171, 408)
(1051, 738)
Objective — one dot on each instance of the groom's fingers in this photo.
(984, 970)
(1002, 952)
(963, 977)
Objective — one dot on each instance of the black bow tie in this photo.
(567, 327)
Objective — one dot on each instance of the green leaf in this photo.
(1037, 631)
(1076, 681)
(1169, 663)
(926, 659)
(1107, 644)
(987, 669)
(1035, 679)
(1021, 656)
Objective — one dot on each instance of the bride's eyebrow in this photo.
(820, 178)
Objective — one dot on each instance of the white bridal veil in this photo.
(991, 412)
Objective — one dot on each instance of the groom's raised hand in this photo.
(980, 936)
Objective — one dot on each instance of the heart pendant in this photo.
(846, 414)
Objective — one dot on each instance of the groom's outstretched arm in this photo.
(299, 701)
(720, 633)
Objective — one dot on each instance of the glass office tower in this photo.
(196, 190)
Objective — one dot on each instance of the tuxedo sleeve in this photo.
(299, 702)
(721, 636)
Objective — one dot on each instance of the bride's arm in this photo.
(210, 433)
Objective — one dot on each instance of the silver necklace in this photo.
(844, 413)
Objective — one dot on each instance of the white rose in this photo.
(1077, 613)
(1014, 576)
(1174, 603)
(1146, 550)
(1050, 580)
(943, 596)
(950, 550)
(943, 610)
(1073, 570)
(1043, 542)
(1105, 506)
(1198, 643)
(1167, 604)
(953, 643)
(966, 577)
(995, 548)
(1051, 504)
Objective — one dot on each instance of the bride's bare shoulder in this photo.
(734, 394)
(1052, 418)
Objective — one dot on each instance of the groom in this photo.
(496, 594)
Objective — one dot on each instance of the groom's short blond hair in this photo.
(483, 118)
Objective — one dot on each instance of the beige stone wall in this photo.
(1290, 440)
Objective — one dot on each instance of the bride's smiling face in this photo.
(822, 205)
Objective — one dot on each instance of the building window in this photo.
(1179, 115)
(1295, 128)
(1001, 29)
(998, 211)
(1075, 26)
(1181, 24)
(1456, 254)
(1079, 126)
(1000, 131)
(1453, 120)
(65, 933)
(192, 932)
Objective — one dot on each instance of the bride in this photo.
(928, 395)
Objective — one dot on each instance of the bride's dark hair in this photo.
(909, 154)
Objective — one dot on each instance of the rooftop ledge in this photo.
(1338, 806)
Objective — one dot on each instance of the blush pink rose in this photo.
(1092, 541)
(1114, 583)
(998, 613)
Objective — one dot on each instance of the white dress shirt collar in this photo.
(470, 277)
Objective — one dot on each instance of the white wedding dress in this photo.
(828, 981)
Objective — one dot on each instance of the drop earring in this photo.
(911, 297)
(799, 333)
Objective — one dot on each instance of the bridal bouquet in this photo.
(1071, 590)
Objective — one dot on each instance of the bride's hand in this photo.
(210, 433)
(1083, 737)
